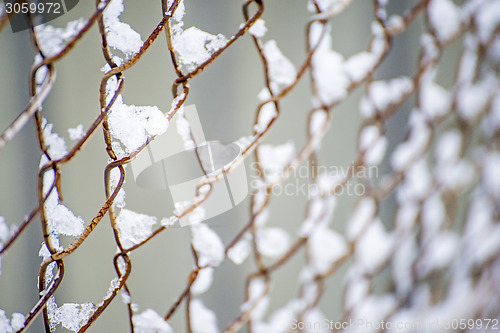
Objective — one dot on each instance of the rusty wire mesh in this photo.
(438, 253)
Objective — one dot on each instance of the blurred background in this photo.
(225, 95)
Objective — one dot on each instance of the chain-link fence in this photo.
(406, 237)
